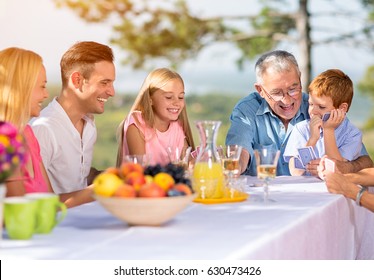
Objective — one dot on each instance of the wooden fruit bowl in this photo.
(139, 211)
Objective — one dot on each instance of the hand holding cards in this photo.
(306, 154)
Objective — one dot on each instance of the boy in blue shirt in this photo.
(330, 92)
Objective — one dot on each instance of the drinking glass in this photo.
(230, 156)
(141, 159)
(266, 160)
(179, 157)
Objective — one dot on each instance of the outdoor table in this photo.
(306, 222)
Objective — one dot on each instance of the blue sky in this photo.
(40, 26)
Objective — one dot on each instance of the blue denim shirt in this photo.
(253, 125)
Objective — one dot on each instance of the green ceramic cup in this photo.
(19, 217)
(47, 211)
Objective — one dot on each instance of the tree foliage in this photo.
(366, 86)
(149, 30)
(169, 29)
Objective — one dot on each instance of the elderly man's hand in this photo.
(338, 183)
(334, 182)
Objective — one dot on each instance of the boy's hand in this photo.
(336, 118)
(315, 125)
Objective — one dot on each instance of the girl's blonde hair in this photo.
(19, 70)
(154, 81)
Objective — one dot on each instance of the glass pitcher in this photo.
(208, 173)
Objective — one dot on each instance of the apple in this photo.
(164, 180)
(127, 167)
(125, 190)
(105, 184)
(151, 190)
(135, 179)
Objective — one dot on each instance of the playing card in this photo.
(286, 158)
(306, 154)
(326, 117)
(312, 152)
(195, 153)
(299, 164)
(329, 165)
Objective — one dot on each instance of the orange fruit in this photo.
(164, 180)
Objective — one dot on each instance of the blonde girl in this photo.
(157, 120)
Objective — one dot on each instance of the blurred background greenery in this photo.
(152, 33)
(210, 106)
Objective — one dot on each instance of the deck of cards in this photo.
(329, 165)
(306, 154)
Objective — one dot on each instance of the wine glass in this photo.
(230, 156)
(266, 160)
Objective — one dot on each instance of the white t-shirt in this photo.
(66, 156)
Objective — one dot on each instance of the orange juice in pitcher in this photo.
(212, 176)
(208, 174)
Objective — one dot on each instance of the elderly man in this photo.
(267, 117)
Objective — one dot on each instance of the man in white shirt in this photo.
(66, 129)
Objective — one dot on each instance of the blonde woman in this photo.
(22, 90)
(157, 120)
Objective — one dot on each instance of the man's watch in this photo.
(359, 195)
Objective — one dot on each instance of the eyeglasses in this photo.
(279, 95)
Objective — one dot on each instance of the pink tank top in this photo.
(156, 142)
(36, 183)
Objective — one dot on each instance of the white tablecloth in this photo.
(305, 222)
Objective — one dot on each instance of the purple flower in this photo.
(12, 150)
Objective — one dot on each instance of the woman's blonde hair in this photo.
(154, 81)
(19, 70)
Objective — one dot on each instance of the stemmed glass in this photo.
(266, 160)
(230, 156)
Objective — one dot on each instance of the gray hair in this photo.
(278, 60)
